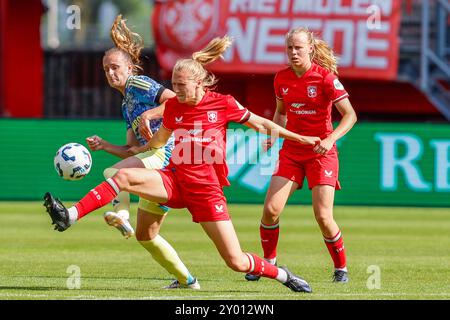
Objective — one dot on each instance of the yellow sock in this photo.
(168, 258)
(122, 201)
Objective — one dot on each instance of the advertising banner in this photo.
(363, 34)
(384, 164)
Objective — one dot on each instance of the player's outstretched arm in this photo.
(146, 117)
(96, 143)
(348, 120)
(158, 140)
(268, 127)
(152, 114)
(280, 119)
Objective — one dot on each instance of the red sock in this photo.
(269, 239)
(336, 248)
(260, 267)
(101, 195)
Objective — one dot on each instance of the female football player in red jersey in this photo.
(197, 170)
(140, 93)
(305, 93)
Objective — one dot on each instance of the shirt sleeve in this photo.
(168, 116)
(334, 88)
(146, 88)
(276, 88)
(236, 112)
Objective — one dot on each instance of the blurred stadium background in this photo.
(394, 63)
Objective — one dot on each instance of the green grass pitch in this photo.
(410, 247)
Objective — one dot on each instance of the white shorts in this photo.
(153, 159)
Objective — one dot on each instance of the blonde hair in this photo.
(322, 54)
(127, 42)
(210, 53)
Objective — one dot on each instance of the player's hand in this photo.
(309, 141)
(95, 143)
(137, 149)
(324, 146)
(144, 125)
(267, 144)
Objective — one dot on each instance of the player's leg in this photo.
(145, 183)
(223, 235)
(152, 159)
(323, 199)
(150, 217)
(119, 218)
(280, 189)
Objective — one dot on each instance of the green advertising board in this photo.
(401, 164)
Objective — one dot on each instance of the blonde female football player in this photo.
(310, 80)
(140, 94)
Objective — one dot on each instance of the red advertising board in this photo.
(363, 33)
(21, 75)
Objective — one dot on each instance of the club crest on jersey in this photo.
(285, 91)
(312, 91)
(212, 116)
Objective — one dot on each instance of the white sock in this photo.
(282, 275)
(271, 261)
(73, 215)
(342, 269)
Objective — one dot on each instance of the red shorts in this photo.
(205, 202)
(318, 170)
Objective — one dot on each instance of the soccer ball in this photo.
(72, 161)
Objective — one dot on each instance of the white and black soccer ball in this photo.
(72, 161)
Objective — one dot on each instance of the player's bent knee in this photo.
(324, 220)
(122, 178)
(272, 212)
(146, 234)
(142, 235)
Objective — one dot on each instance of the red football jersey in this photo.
(200, 136)
(308, 101)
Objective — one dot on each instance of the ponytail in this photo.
(324, 56)
(128, 42)
(210, 53)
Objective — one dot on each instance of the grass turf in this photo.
(409, 246)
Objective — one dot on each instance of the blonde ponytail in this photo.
(128, 42)
(213, 50)
(210, 53)
(322, 54)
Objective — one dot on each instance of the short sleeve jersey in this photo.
(308, 101)
(199, 155)
(141, 94)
